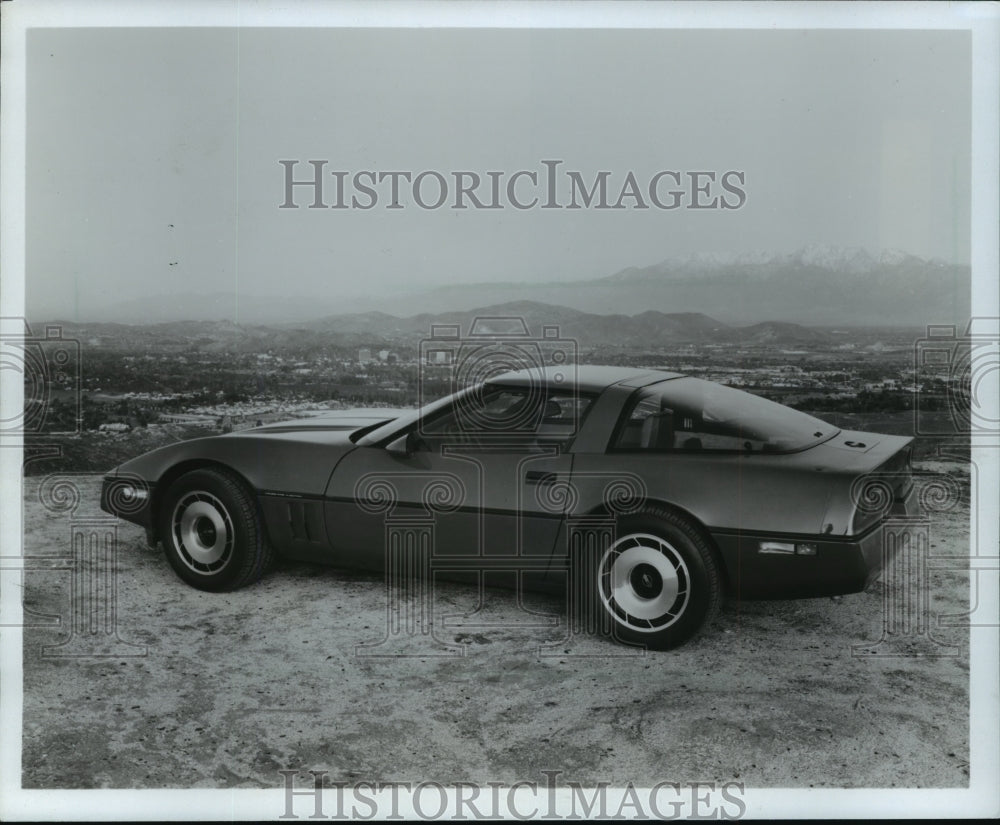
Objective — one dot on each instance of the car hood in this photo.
(290, 456)
(332, 420)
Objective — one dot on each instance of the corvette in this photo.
(646, 496)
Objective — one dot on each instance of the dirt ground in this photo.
(223, 691)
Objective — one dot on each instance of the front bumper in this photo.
(839, 566)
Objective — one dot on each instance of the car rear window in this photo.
(695, 415)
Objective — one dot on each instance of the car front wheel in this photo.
(212, 532)
(658, 583)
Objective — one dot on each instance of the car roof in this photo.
(584, 377)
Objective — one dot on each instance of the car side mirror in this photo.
(406, 445)
(400, 446)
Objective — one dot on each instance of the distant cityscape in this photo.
(198, 380)
(163, 378)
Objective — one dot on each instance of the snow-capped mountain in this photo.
(815, 285)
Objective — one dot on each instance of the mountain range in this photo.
(821, 286)
(643, 331)
(816, 285)
(650, 328)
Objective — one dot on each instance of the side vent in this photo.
(304, 521)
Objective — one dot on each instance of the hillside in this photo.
(640, 331)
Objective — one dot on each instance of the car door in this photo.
(481, 487)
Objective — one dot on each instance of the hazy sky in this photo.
(153, 153)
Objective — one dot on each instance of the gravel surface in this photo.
(223, 691)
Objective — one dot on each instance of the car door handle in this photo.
(540, 477)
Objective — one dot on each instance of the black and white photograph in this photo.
(481, 411)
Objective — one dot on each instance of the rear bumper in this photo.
(839, 566)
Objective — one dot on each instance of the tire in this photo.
(658, 584)
(212, 531)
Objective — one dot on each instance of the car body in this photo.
(659, 492)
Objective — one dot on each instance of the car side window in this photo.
(648, 426)
(562, 416)
(653, 424)
(514, 417)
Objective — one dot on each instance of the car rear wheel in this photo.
(658, 583)
(212, 532)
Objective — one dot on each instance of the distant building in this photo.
(114, 427)
(364, 355)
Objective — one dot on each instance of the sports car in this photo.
(645, 496)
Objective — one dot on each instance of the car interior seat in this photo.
(658, 431)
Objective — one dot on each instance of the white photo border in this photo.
(981, 798)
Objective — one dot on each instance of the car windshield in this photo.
(692, 414)
(367, 436)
